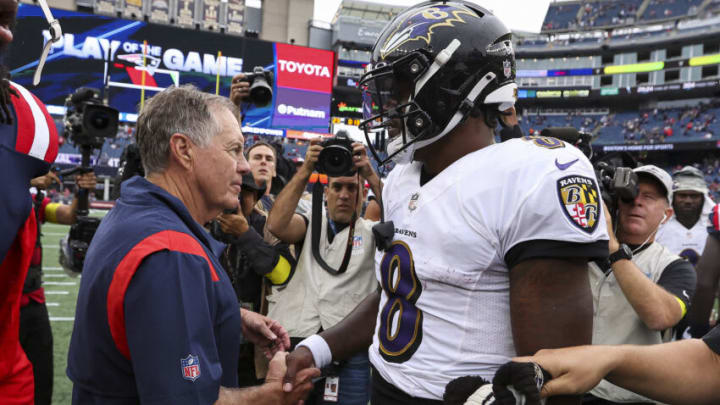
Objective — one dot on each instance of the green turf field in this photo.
(61, 296)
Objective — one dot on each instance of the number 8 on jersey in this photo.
(400, 331)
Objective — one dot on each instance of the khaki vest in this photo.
(616, 322)
(315, 298)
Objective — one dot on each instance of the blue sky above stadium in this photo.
(518, 15)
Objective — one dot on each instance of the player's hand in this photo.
(311, 156)
(299, 360)
(574, 370)
(86, 180)
(43, 182)
(614, 245)
(273, 383)
(264, 332)
(519, 382)
(361, 160)
(239, 89)
(233, 224)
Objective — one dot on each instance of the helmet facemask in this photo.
(389, 108)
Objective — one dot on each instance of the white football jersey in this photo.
(687, 243)
(444, 310)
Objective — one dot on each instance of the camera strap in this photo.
(316, 232)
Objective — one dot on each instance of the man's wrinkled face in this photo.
(220, 165)
(642, 216)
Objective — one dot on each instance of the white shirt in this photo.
(444, 311)
(314, 298)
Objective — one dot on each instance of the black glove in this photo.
(460, 389)
(513, 380)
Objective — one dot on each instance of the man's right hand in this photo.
(311, 156)
(575, 370)
(239, 89)
(303, 380)
(234, 224)
(300, 360)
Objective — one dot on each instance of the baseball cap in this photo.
(660, 175)
(689, 179)
(249, 184)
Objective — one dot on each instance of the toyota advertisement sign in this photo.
(303, 88)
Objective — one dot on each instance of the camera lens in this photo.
(260, 93)
(336, 160)
(99, 120)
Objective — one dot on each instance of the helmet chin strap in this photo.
(55, 35)
(442, 58)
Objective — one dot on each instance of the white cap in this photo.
(689, 178)
(661, 175)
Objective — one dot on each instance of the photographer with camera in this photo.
(642, 290)
(335, 270)
(35, 332)
(251, 262)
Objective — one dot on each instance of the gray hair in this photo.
(184, 110)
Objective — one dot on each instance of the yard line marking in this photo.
(59, 283)
(62, 318)
(52, 304)
(56, 293)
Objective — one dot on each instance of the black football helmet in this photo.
(430, 67)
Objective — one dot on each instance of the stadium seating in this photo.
(561, 16)
(602, 13)
(660, 9)
(612, 12)
(652, 126)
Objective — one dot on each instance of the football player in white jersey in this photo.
(490, 242)
(685, 233)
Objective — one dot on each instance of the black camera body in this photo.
(87, 120)
(74, 246)
(260, 80)
(616, 183)
(336, 158)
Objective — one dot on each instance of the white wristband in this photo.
(319, 349)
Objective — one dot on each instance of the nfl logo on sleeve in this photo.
(190, 367)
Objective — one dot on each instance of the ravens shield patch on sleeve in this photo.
(580, 199)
